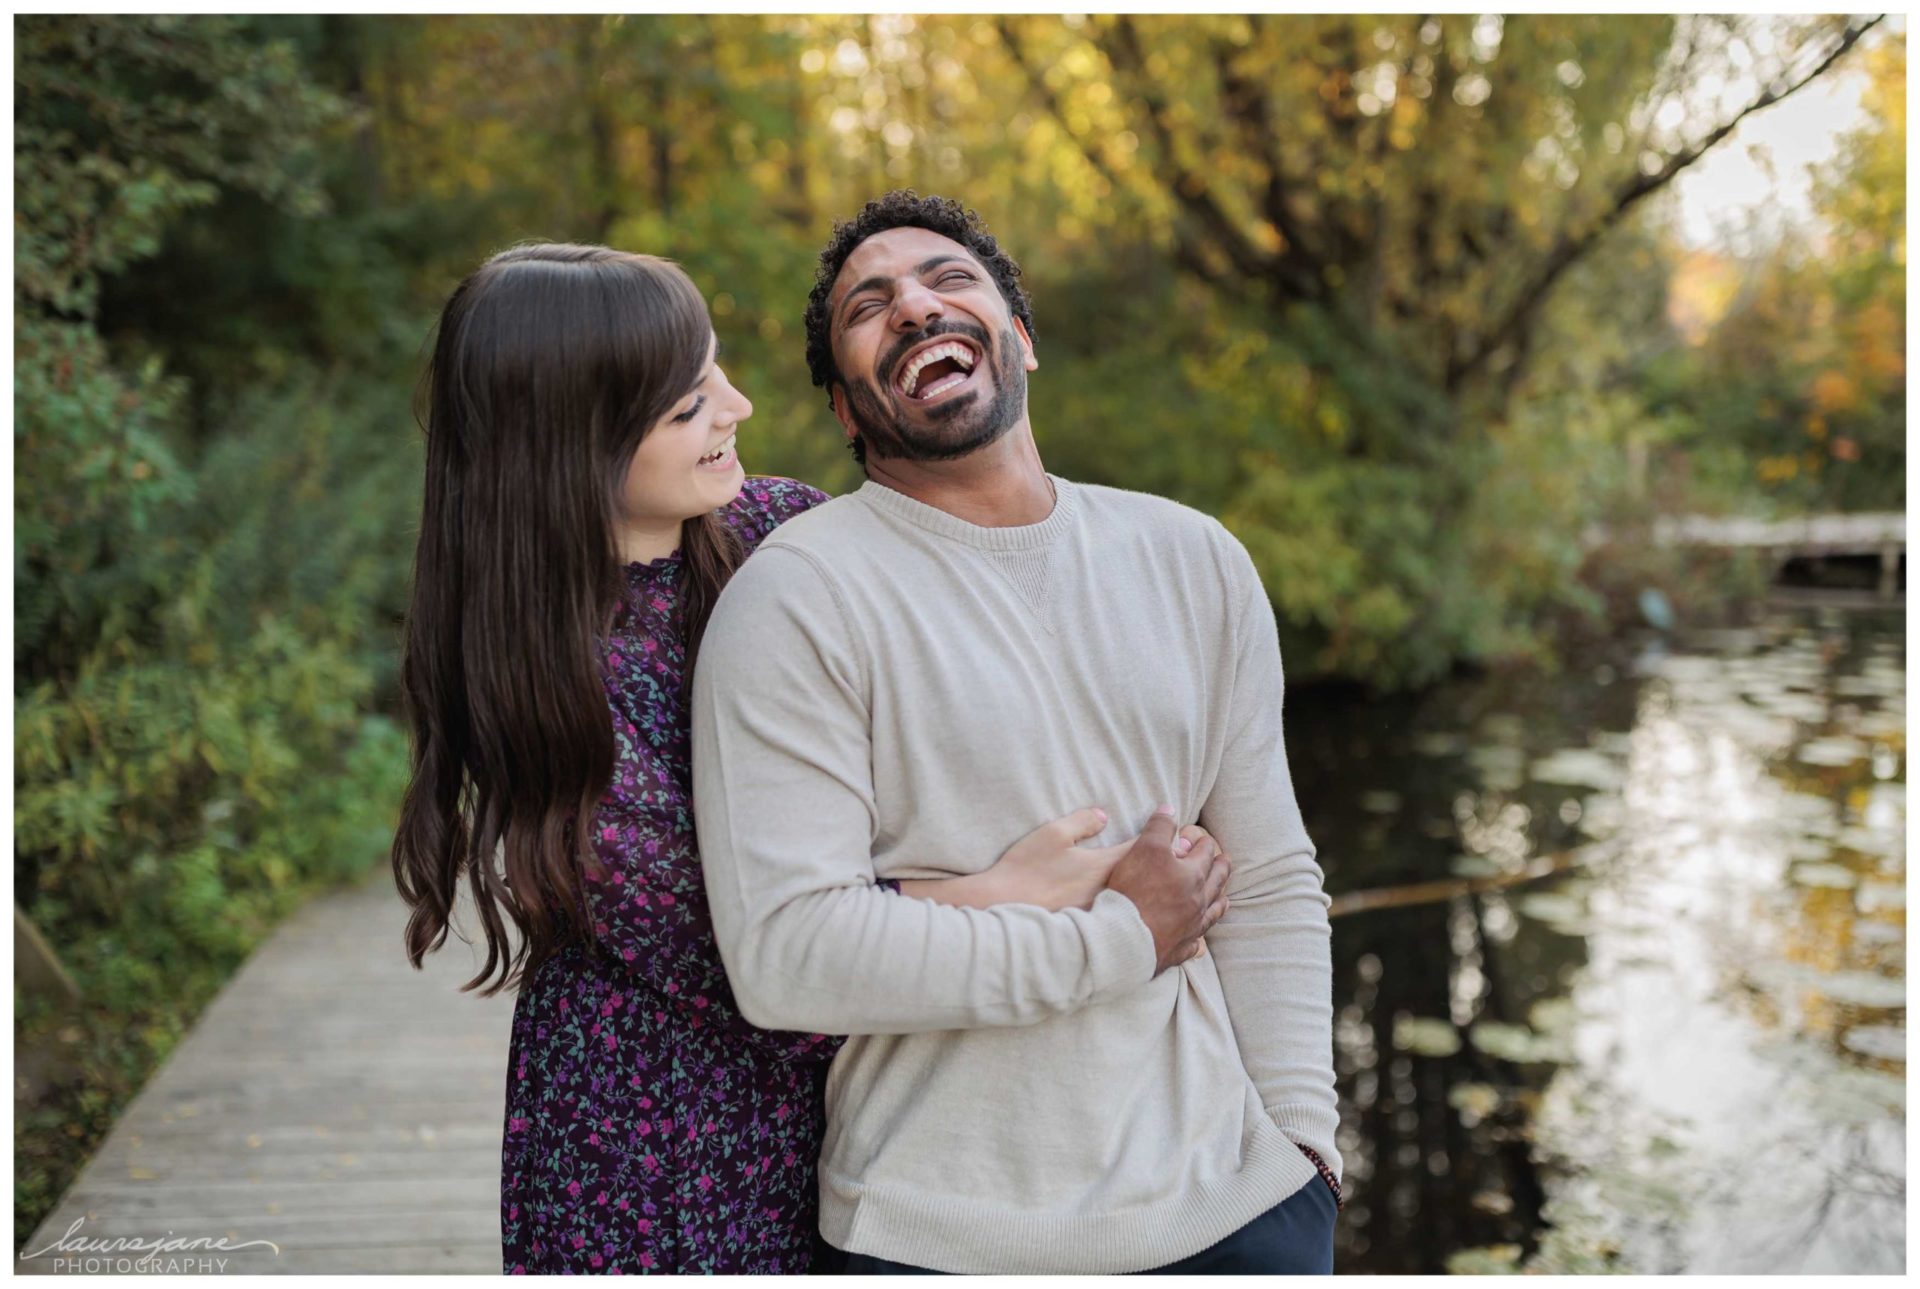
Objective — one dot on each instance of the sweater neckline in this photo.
(1012, 538)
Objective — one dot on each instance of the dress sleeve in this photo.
(649, 910)
(765, 502)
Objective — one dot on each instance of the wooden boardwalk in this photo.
(331, 1100)
(1864, 533)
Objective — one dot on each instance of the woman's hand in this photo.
(1047, 867)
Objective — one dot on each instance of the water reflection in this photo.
(1685, 1050)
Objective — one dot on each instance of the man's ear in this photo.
(842, 412)
(1026, 344)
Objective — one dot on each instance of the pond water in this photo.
(1684, 1048)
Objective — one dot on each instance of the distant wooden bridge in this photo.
(332, 1111)
(1867, 535)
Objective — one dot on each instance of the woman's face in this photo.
(687, 464)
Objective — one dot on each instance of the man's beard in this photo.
(952, 429)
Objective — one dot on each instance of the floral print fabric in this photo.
(649, 1127)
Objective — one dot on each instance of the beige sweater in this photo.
(887, 690)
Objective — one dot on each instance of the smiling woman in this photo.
(685, 467)
(584, 506)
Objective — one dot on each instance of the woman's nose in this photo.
(735, 403)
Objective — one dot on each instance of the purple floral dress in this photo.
(649, 1127)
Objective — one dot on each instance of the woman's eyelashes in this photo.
(691, 412)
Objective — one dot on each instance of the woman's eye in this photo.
(691, 412)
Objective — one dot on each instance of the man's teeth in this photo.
(959, 353)
(941, 386)
(719, 452)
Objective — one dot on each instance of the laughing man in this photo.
(918, 673)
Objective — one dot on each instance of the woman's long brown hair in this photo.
(551, 364)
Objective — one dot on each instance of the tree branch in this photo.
(1190, 190)
(1247, 102)
(1571, 247)
(1051, 102)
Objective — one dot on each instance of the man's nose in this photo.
(915, 307)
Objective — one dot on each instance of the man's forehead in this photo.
(892, 253)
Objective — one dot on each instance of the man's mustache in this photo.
(934, 329)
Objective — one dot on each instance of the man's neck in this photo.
(1003, 485)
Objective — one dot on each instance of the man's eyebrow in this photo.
(871, 284)
(924, 266)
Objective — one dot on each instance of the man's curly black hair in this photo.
(902, 208)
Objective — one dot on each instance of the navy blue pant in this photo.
(1293, 1238)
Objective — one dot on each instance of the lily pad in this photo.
(1880, 842)
(1872, 897)
(1502, 768)
(1882, 724)
(1552, 908)
(1870, 684)
(1497, 1203)
(1806, 813)
(1833, 751)
(1474, 1101)
(1885, 1042)
(1474, 866)
(1581, 768)
(1800, 707)
(1439, 743)
(1863, 989)
(1829, 876)
(1425, 1036)
(1809, 849)
(1518, 1043)
(1380, 803)
(1602, 815)
(1553, 1015)
(1493, 1260)
(1503, 727)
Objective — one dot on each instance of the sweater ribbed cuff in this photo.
(1312, 1126)
(1119, 946)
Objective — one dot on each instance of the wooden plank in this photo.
(298, 1194)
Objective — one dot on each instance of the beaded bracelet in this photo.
(1326, 1175)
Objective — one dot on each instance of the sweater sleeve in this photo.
(784, 804)
(1273, 948)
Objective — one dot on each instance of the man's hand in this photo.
(1178, 897)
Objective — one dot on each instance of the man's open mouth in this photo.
(937, 369)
